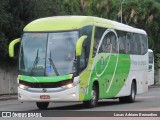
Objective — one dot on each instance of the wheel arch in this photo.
(96, 83)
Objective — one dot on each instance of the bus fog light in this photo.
(74, 95)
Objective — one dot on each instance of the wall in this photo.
(157, 77)
(8, 79)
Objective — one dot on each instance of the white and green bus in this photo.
(80, 58)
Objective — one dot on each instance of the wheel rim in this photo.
(133, 93)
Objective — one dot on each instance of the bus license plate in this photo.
(44, 97)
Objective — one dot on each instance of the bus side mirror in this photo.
(11, 46)
(79, 45)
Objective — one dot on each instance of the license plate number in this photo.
(44, 97)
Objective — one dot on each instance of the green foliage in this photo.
(15, 14)
(157, 59)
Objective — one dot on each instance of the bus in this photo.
(80, 58)
(150, 67)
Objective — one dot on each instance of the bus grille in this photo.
(46, 84)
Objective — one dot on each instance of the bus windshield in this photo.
(48, 54)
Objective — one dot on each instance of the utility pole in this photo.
(122, 1)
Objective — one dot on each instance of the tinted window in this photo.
(122, 42)
(97, 37)
(87, 43)
(150, 57)
(87, 30)
(144, 44)
(108, 44)
(112, 36)
(132, 44)
(137, 46)
(105, 41)
(128, 43)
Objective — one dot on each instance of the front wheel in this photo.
(94, 100)
(42, 105)
(131, 97)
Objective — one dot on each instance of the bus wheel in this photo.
(131, 97)
(42, 105)
(93, 102)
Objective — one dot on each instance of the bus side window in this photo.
(150, 57)
(106, 45)
(82, 60)
(128, 46)
(122, 42)
(114, 42)
(87, 30)
(132, 44)
(97, 37)
(144, 44)
(95, 47)
(109, 43)
(137, 44)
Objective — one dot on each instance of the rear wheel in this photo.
(93, 102)
(131, 97)
(42, 105)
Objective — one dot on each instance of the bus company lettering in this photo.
(138, 62)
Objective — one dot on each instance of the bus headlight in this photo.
(23, 86)
(71, 85)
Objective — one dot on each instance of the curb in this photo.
(154, 86)
(8, 97)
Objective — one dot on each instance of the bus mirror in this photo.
(11, 46)
(79, 45)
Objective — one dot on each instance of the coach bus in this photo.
(150, 67)
(80, 58)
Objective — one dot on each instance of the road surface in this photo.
(149, 101)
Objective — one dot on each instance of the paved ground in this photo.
(149, 101)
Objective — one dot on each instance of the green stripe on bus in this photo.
(45, 79)
(111, 80)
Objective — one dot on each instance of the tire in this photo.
(122, 99)
(94, 101)
(131, 97)
(42, 105)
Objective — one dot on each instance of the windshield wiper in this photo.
(35, 62)
(53, 65)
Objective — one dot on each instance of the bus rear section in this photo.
(150, 67)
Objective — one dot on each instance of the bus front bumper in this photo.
(38, 94)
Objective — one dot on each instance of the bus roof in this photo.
(149, 50)
(63, 23)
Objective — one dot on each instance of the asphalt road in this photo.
(149, 101)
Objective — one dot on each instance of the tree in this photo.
(15, 14)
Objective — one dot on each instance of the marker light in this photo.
(73, 95)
